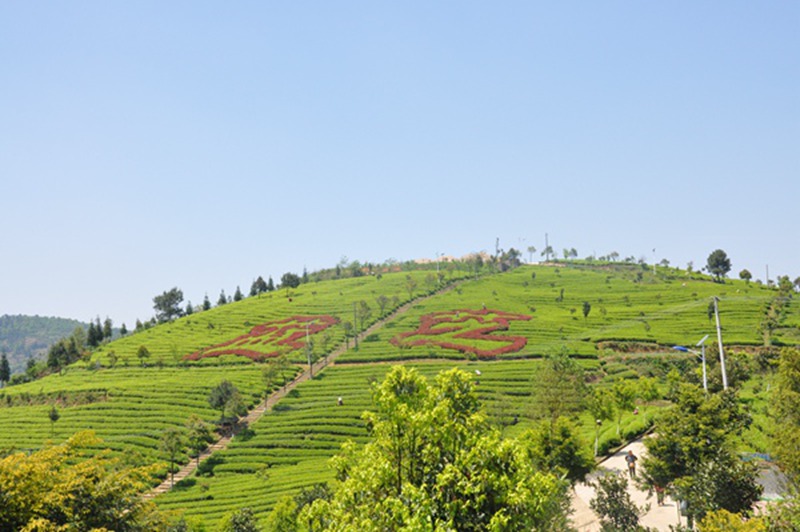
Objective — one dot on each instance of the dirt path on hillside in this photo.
(256, 413)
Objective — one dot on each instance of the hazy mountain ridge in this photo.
(23, 337)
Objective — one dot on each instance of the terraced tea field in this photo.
(547, 304)
(129, 408)
(289, 448)
(171, 343)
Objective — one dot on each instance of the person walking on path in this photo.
(631, 458)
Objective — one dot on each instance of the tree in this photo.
(142, 353)
(242, 520)
(108, 329)
(63, 487)
(785, 410)
(725, 521)
(290, 280)
(382, 301)
(435, 464)
(531, 251)
(172, 444)
(560, 388)
(237, 296)
(364, 313)
(624, 393)
(601, 405)
(259, 286)
(189, 308)
(168, 305)
(270, 285)
(54, 416)
(5, 369)
(268, 376)
(94, 335)
(694, 455)
(222, 299)
(283, 367)
(612, 502)
(198, 435)
(745, 275)
(222, 397)
(206, 303)
(559, 450)
(587, 308)
(123, 330)
(411, 286)
(546, 252)
(718, 264)
(283, 516)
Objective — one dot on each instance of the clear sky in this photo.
(146, 145)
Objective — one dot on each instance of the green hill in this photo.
(619, 320)
(25, 337)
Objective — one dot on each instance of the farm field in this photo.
(289, 448)
(496, 327)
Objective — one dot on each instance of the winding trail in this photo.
(255, 414)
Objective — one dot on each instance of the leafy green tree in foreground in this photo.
(559, 448)
(58, 488)
(693, 455)
(785, 411)
(240, 521)
(612, 502)
(435, 464)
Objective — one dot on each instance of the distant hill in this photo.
(23, 337)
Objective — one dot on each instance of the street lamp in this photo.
(701, 354)
(597, 435)
(719, 340)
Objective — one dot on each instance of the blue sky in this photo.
(146, 145)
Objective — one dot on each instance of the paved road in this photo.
(658, 517)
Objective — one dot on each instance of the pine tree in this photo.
(206, 303)
(270, 285)
(108, 330)
(5, 369)
(237, 296)
(93, 336)
(222, 299)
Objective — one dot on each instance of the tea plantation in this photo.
(618, 320)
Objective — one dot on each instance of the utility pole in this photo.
(719, 340)
(654, 261)
(546, 248)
